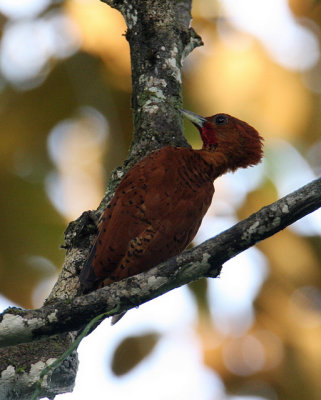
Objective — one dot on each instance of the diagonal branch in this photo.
(205, 260)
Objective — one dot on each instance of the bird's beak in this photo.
(195, 118)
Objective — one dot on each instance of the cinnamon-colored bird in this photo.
(160, 203)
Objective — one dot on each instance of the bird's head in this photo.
(241, 144)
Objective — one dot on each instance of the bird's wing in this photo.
(153, 216)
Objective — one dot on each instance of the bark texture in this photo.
(19, 326)
(159, 37)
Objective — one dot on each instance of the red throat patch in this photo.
(208, 135)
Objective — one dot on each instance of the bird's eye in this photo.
(220, 119)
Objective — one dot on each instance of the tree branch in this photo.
(205, 260)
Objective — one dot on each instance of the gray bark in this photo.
(159, 37)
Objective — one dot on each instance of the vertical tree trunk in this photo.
(159, 37)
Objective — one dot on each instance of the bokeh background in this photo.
(65, 122)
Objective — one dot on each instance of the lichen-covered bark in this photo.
(205, 260)
(19, 375)
(159, 37)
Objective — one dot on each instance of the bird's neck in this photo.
(218, 163)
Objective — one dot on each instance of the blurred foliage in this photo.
(54, 165)
(131, 351)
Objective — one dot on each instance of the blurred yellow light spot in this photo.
(297, 263)
(102, 29)
(244, 82)
(304, 309)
